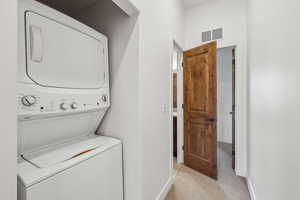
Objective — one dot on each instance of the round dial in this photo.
(28, 100)
(74, 105)
(64, 106)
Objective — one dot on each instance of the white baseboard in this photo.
(251, 189)
(165, 190)
(240, 171)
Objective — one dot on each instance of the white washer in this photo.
(89, 169)
(63, 94)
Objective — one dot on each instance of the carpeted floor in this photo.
(191, 185)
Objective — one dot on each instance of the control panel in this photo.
(35, 102)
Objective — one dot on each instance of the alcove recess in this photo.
(118, 20)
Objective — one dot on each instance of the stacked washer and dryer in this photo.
(63, 94)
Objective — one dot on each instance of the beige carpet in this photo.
(191, 185)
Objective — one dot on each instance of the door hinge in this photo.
(182, 148)
(182, 64)
(182, 106)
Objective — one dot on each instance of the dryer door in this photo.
(60, 56)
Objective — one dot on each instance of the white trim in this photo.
(165, 190)
(173, 45)
(241, 110)
(180, 121)
(251, 189)
(171, 104)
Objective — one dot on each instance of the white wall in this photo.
(274, 99)
(176, 16)
(8, 116)
(224, 99)
(231, 15)
(121, 120)
(159, 24)
(141, 83)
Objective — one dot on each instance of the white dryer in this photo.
(63, 94)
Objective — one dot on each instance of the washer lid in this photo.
(41, 165)
(69, 152)
(61, 56)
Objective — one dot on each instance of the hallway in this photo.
(191, 185)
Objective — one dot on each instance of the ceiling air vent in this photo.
(206, 36)
(217, 34)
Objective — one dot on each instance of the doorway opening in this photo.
(226, 104)
(224, 64)
(219, 121)
(208, 75)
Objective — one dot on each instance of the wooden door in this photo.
(200, 109)
(174, 90)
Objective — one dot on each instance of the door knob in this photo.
(211, 119)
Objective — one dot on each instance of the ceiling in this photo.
(191, 3)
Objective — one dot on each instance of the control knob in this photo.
(28, 100)
(64, 106)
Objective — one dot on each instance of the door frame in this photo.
(176, 45)
(241, 110)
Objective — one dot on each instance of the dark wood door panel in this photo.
(201, 147)
(201, 117)
(174, 90)
(200, 137)
(199, 134)
(198, 82)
